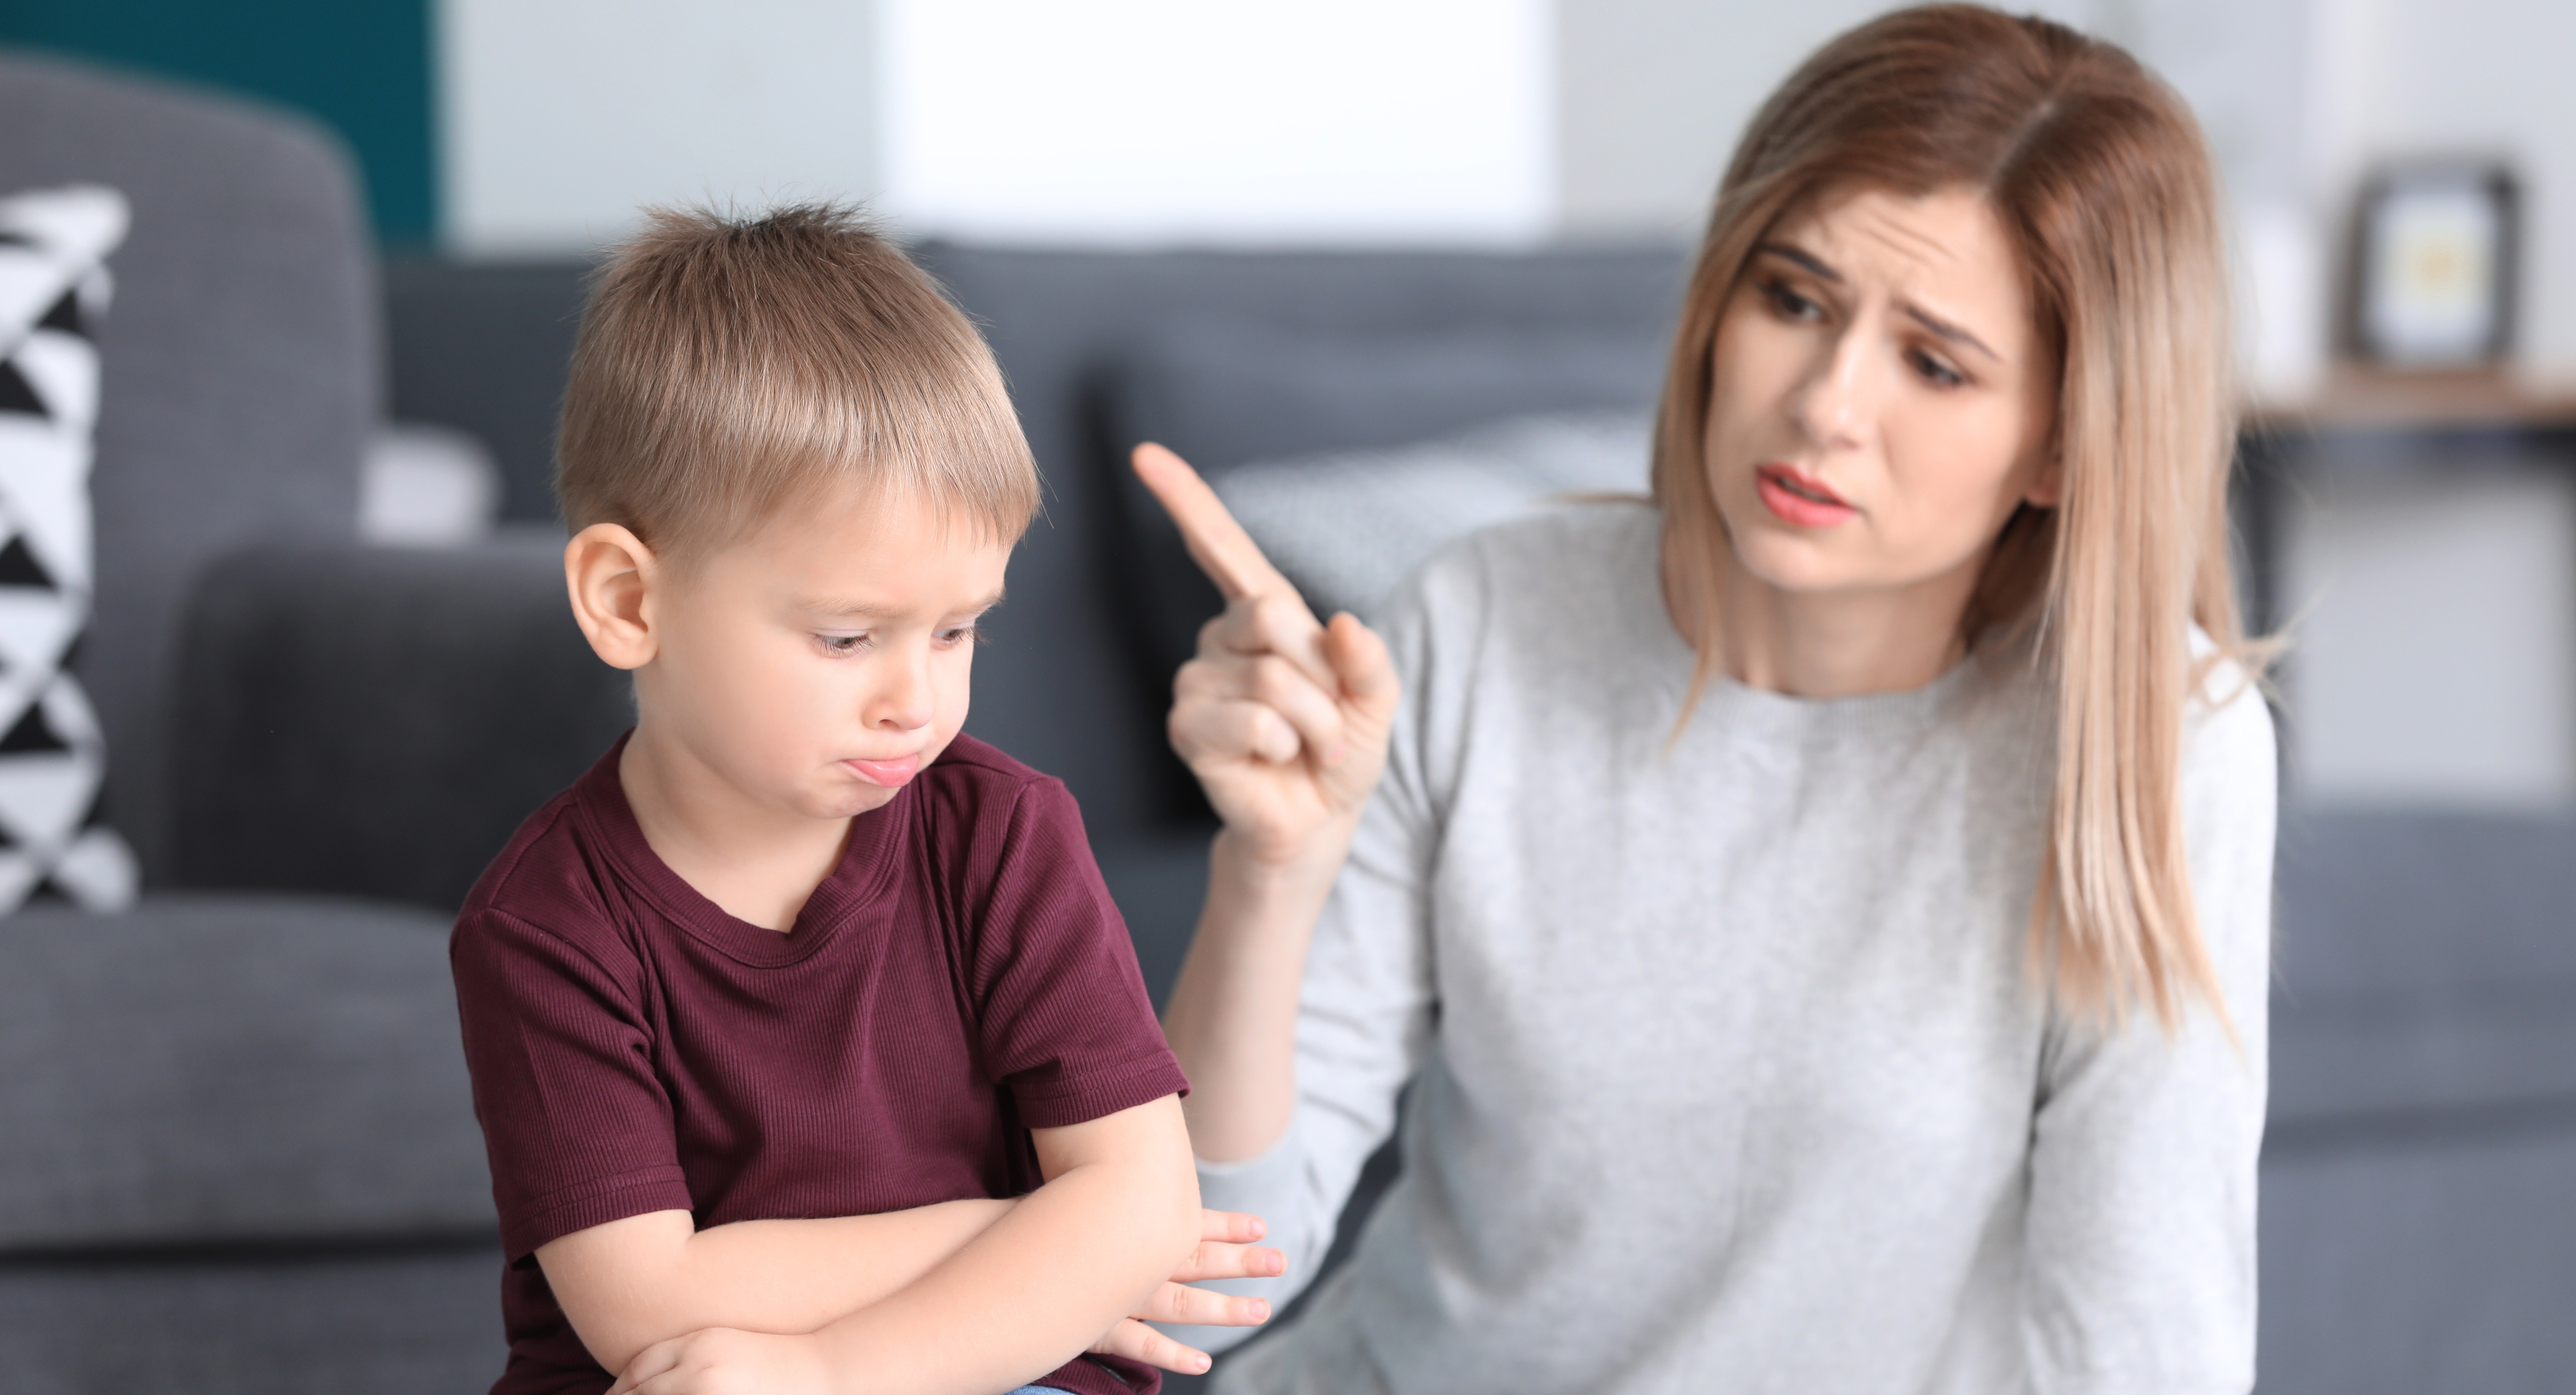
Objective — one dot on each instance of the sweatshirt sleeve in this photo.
(2140, 1243)
(1364, 1015)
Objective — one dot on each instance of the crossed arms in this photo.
(966, 1297)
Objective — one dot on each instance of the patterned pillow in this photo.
(53, 288)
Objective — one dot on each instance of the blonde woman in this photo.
(1821, 916)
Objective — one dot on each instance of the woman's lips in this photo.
(890, 773)
(1798, 500)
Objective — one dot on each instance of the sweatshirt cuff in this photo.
(1273, 1187)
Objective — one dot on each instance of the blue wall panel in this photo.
(362, 67)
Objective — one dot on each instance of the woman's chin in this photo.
(1793, 565)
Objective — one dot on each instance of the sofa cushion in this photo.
(1227, 392)
(218, 1068)
(415, 1320)
(1346, 527)
(368, 721)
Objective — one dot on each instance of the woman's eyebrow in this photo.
(1807, 260)
(1946, 330)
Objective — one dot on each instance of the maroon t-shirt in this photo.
(960, 978)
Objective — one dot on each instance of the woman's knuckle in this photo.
(1273, 681)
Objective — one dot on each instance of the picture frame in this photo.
(2435, 265)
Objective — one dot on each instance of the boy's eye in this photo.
(842, 644)
(961, 634)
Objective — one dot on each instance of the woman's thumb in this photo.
(1360, 661)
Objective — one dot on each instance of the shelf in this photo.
(2371, 399)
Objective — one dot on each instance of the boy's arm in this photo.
(628, 1284)
(1027, 1292)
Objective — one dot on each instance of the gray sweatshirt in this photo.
(1728, 1069)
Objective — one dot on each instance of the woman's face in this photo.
(1881, 401)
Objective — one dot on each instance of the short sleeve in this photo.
(2141, 1272)
(1061, 1013)
(578, 1127)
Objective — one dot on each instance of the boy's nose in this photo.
(904, 702)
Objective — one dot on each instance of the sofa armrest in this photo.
(377, 721)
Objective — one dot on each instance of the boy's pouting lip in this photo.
(893, 774)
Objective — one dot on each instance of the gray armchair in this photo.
(239, 1154)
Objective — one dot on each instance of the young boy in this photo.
(808, 1047)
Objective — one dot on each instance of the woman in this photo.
(1822, 916)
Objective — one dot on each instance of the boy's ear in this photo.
(609, 572)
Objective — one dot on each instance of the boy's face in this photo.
(817, 665)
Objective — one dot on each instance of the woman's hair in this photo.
(731, 368)
(2102, 184)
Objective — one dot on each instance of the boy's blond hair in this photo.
(729, 369)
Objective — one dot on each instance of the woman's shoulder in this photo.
(2227, 718)
(1577, 556)
(2229, 793)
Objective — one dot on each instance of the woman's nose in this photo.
(1831, 403)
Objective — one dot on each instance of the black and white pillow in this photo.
(53, 762)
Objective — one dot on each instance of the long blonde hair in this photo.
(2102, 183)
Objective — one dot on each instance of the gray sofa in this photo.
(359, 729)
(239, 1154)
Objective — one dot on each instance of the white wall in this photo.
(2435, 654)
(559, 117)
(2489, 75)
(1164, 121)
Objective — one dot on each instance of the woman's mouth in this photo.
(1799, 500)
(893, 774)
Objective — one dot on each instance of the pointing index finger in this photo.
(1219, 545)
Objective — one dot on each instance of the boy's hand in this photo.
(1283, 720)
(723, 1361)
(1226, 1251)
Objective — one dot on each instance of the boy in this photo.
(772, 1015)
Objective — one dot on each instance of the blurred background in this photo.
(1401, 266)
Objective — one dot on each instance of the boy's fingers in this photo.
(1137, 1342)
(1218, 543)
(1239, 1227)
(646, 1364)
(1199, 1307)
(1232, 1227)
(1219, 1259)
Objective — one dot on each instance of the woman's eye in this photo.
(1789, 303)
(1936, 372)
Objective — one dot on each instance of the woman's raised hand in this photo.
(1284, 720)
